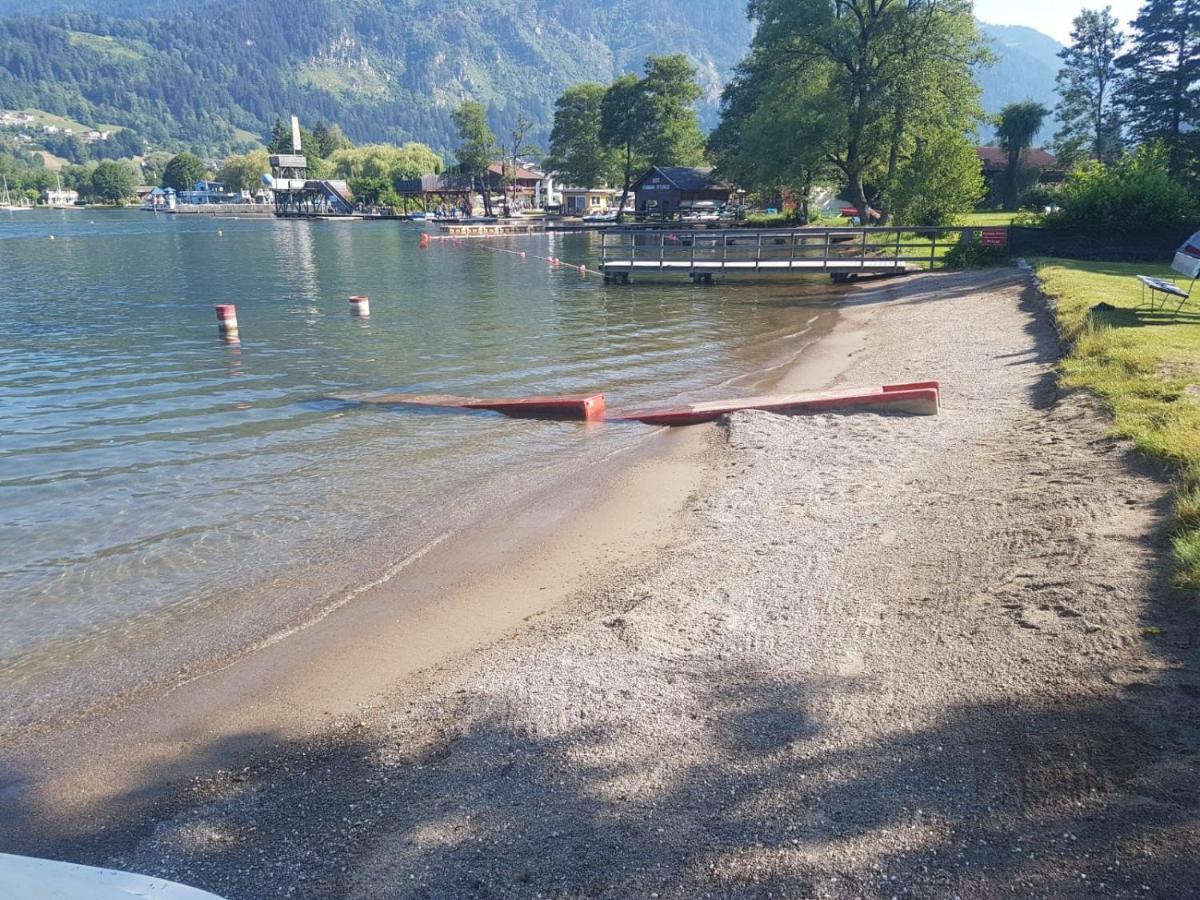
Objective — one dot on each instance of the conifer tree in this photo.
(1086, 87)
(1160, 96)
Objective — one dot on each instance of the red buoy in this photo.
(360, 306)
(227, 318)
(424, 242)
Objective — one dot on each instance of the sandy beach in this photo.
(823, 656)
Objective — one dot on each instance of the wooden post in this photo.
(724, 249)
(932, 249)
(758, 253)
(825, 261)
(662, 248)
(792, 252)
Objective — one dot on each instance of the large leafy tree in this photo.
(244, 172)
(889, 71)
(1016, 127)
(625, 118)
(771, 133)
(1161, 91)
(183, 171)
(670, 94)
(577, 154)
(113, 181)
(652, 120)
(1086, 86)
(938, 182)
(477, 146)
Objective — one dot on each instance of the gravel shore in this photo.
(884, 657)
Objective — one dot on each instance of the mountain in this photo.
(214, 74)
(1026, 64)
(219, 72)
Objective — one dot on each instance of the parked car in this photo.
(702, 211)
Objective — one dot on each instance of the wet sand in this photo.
(78, 788)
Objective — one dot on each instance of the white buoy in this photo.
(360, 306)
(227, 318)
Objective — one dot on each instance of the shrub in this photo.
(974, 255)
(1136, 193)
(939, 182)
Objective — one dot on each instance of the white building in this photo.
(61, 197)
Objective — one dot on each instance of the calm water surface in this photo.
(152, 475)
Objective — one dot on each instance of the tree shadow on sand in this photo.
(998, 799)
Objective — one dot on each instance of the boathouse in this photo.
(664, 190)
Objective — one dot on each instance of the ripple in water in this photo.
(155, 480)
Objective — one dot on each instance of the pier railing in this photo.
(837, 251)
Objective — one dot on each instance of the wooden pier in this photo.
(841, 253)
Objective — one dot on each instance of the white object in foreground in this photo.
(25, 878)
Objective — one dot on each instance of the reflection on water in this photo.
(151, 469)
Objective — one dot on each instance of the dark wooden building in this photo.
(670, 192)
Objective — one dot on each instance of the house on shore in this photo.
(668, 192)
(525, 184)
(1036, 167)
(61, 197)
(581, 201)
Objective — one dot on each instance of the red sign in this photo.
(994, 237)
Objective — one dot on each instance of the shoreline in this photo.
(884, 656)
(443, 602)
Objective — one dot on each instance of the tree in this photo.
(153, 166)
(577, 155)
(410, 160)
(183, 171)
(940, 181)
(770, 135)
(624, 119)
(244, 173)
(515, 147)
(1015, 128)
(652, 120)
(1085, 85)
(670, 92)
(477, 148)
(885, 73)
(1162, 71)
(280, 138)
(328, 139)
(113, 181)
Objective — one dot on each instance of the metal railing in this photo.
(808, 250)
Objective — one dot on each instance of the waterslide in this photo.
(336, 193)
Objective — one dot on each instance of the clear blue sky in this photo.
(1052, 17)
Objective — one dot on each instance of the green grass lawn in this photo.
(1145, 367)
(984, 219)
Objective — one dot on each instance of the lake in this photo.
(156, 480)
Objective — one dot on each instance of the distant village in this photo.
(520, 187)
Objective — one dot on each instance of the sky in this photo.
(1052, 17)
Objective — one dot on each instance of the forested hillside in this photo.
(382, 69)
(214, 74)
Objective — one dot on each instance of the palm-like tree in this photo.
(1016, 127)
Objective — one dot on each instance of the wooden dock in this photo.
(841, 253)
